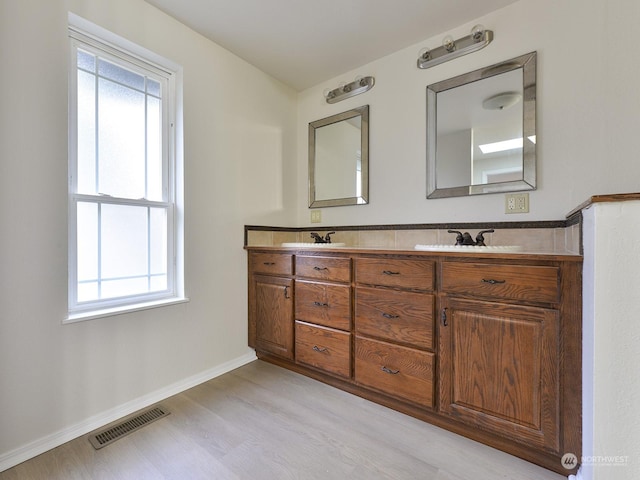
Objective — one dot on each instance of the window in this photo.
(122, 179)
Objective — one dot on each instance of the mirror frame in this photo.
(528, 64)
(363, 199)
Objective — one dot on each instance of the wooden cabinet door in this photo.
(499, 369)
(273, 312)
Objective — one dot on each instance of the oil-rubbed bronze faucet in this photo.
(466, 239)
(318, 239)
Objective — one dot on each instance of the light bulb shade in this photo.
(326, 92)
(449, 43)
(477, 32)
(424, 53)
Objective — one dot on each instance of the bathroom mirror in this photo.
(339, 159)
(481, 131)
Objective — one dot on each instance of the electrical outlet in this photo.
(516, 203)
(316, 216)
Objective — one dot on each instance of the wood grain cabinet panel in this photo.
(335, 269)
(499, 369)
(413, 274)
(271, 263)
(512, 282)
(324, 348)
(273, 312)
(323, 303)
(398, 371)
(399, 316)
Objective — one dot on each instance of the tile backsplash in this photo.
(561, 240)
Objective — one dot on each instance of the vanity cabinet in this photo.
(394, 307)
(323, 313)
(499, 369)
(502, 334)
(485, 345)
(271, 304)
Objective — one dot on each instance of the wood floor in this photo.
(262, 422)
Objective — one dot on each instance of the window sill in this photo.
(109, 312)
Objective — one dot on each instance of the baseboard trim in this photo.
(578, 475)
(37, 447)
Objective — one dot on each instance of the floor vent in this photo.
(111, 434)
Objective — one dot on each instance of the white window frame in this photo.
(96, 40)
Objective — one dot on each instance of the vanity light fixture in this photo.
(450, 49)
(346, 90)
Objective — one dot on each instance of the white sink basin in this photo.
(469, 248)
(312, 245)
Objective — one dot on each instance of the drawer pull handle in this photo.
(286, 293)
(389, 272)
(321, 349)
(269, 263)
(389, 371)
(492, 281)
(388, 315)
(319, 304)
(320, 268)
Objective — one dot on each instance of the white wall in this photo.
(588, 112)
(611, 337)
(240, 135)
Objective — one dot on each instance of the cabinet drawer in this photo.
(410, 274)
(271, 263)
(323, 303)
(398, 371)
(334, 269)
(513, 282)
(324, 348)
(405, 317)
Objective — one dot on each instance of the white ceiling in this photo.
(305, 42)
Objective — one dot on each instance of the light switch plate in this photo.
(516, 203)
(316, 216)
